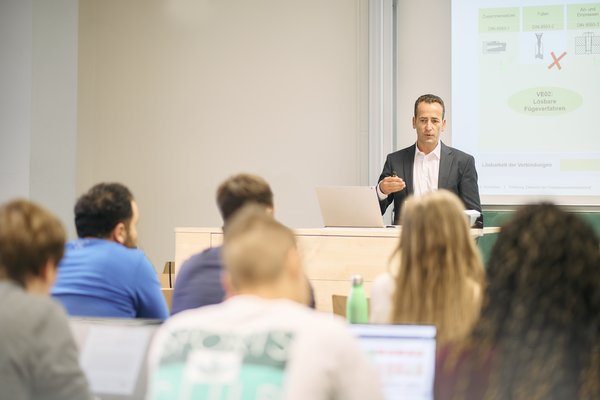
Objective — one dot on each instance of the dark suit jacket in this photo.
(457, 174)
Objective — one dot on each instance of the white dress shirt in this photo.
(426, 170)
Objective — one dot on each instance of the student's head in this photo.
(429, 121)
(547, 260)
(440, 269)
(240, 189)
(545, 264)
(31, 245)
(261, 258)
(108, 211)
(542, 308)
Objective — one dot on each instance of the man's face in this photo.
(131, 239)
(428, 123)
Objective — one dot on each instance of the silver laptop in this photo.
(350, 206)
(403, 356)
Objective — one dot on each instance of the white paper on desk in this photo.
(112, 357)
(472, 216)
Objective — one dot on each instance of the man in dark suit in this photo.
(428, 164)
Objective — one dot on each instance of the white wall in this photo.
(423, 43)
(54, 107)
(38, 80)
(15, 97)
(176, 96)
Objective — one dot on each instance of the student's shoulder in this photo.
(33, 311)
(320, 323)
(102, 248)
(327, 333)
(195, 317)
(20, 299)
(126, 254)
(131, 264)
(384, 281)
(210, 257)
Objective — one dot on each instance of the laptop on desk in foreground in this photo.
(403, 356)
(350, 206)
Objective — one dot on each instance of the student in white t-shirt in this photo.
(263, 342)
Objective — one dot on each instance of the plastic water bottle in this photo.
(357, 311)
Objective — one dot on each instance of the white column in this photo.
(381, 84)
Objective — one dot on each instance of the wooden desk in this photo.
(168, 294)
(330, 255)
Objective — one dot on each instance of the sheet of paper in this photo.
(112, 357)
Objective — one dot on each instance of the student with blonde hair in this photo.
(437, 273)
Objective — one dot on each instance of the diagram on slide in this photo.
(539, 47)
(539, 70)
(588, 43)
(525, 95)
(494, 47)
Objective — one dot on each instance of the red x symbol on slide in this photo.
(556, 60)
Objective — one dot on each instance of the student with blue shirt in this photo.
(102, 273)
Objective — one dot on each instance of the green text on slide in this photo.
(545, 101)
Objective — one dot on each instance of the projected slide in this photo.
(526, 98)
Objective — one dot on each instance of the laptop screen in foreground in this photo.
(403, 355)
(113, 355)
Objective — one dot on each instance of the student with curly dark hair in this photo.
(103, 274)
(537, 337)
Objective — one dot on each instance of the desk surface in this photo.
(330, 255)
(348, 232)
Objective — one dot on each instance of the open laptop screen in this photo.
(403, 355)
(350, 206)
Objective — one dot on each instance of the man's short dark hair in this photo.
(99, 210)
(30, 236)
(240, 189)
(429, 99)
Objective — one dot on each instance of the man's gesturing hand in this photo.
(391, 184)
